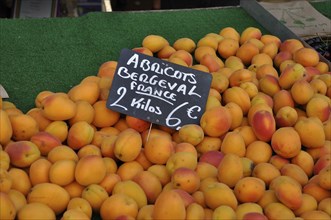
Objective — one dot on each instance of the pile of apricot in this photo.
(261, 151)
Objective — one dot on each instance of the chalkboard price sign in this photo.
(158, 91)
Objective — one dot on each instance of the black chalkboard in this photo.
(158, 91)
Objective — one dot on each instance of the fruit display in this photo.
(261, 150)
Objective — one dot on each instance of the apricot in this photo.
(288, 191)
(234, 143)
(80, 134)
(95, 195)
(266, 172)
(90, 169)
(246, 52)
(230, 162)
(62, 152)
(39, 171)
(59, 129)
(230, 32)
(227, 47)
(269, 85)
(263, 124)
(186, 179)
(224, 212)
(23, 127)
(234, 63)
(36, 210)
(22, 153)
(259, 152)
(286, 142)
(62, 172)
(318, 86)
(290, 75)
(271, 49)
(322, 67)
(154, 42)
(169, 205)
(58, 107)
(158, 149)
(286, 117)
(306, 56)
(307, 128)
(216, 121)
(50, 194)
(318, 107)
(103, 116)
(20, 180)
(121, 204)
(191, 133)
(217, 194)
(249, 189)
(277, 210)
(128, 145)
